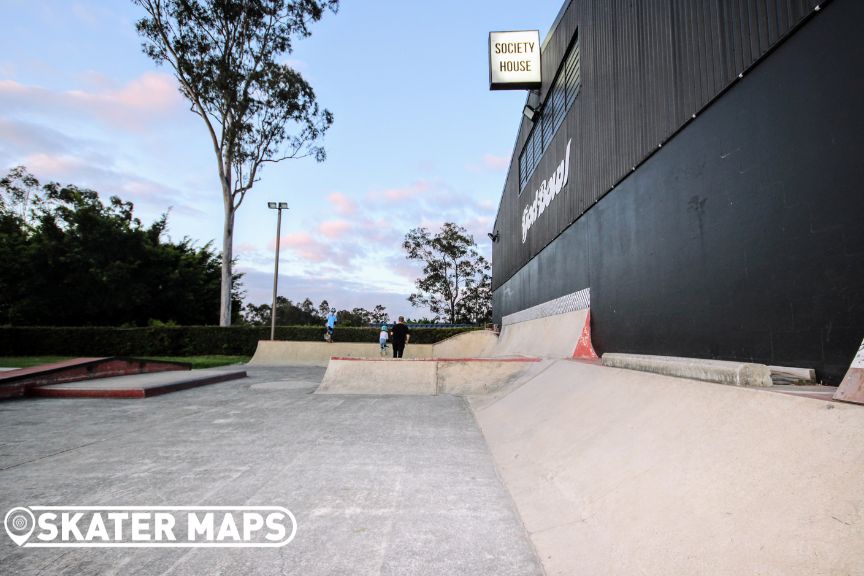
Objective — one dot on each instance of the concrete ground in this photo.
(379, 485)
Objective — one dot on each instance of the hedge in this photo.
(179, 340)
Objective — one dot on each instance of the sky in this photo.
(418, 138)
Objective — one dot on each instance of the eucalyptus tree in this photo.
(228, 57)
(456, 281)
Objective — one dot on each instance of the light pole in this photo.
(278, 206)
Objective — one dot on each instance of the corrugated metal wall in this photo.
(647, 67)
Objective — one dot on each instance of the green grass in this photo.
(199, 362)
(27, 361)
(196, 361)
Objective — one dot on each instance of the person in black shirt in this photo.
(399, 336)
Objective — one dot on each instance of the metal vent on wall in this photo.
(580, 300)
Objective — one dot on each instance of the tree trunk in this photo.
(227, 257)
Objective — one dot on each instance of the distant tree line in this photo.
(68, 259)
(306, 313)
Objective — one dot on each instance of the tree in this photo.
(257, 315)
(15, 191)
(226, 56)
(456, 281)
(356, 317)
(379, 315)
(73, 260)
(287, 313)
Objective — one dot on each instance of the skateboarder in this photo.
(331, 325)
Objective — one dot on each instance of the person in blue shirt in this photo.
(331, 325)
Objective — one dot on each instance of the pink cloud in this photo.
(295, 240)
(380, 231)
(304, 246)
(342, 204)
(135, 106)
(53, 165)
(403, 193)
(497, 163)
(334, 228)
(92, 172)
(150, 91)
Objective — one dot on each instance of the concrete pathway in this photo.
(379, 485)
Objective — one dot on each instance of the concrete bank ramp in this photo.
(279, 352)
(474, 344)
(622, 472)
(421, 377)
(555, 336)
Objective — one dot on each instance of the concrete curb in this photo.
(422, 376)
(719, 371)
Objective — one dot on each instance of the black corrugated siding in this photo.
(647, 66)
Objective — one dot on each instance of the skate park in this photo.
(511, 459)
(667, 376)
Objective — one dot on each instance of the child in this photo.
(382, 339)
(331, 325)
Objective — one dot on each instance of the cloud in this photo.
(368, 245)
(322, 253)
(343, 294)
(18, 137)
(334, 228)
(496, 163)
(408, 270)
(402, 193)
(151, 97)
(92, 172)
(489, 163)
(342, 204)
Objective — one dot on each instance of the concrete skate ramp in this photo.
(270, 352)
(621, 472)
(432, 376)
(474, 344)
(554, 336)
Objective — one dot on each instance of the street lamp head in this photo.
(277, 205)
(283, 205)
(271, 205)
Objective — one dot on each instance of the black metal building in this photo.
(695, 163)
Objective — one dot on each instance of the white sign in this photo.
(514, 60)
(547, 192)
(150, 526)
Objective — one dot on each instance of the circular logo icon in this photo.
(19, 523)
